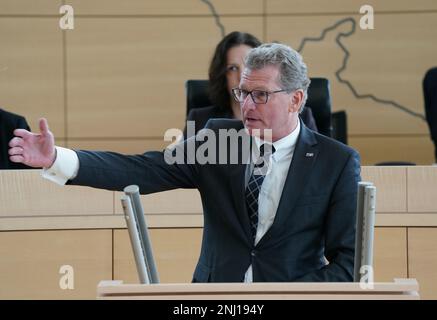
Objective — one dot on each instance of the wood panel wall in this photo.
(116, 82)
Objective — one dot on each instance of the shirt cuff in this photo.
(65, 167)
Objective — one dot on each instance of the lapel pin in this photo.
(309, 154)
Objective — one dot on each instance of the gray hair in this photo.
(292, 70)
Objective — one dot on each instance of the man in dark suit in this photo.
(8, 123)
(293, 222)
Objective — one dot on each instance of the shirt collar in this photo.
(284, 145)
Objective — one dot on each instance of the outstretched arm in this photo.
(151, 171)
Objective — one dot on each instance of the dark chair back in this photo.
(395, 163)
(197, 94)
(339, 126)
(319, 100)
(430, 98)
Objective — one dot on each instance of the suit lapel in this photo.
(304, 157)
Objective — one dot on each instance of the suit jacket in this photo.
(200, 116)
(8, 123)
(315, 217)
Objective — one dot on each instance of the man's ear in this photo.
(296, 99)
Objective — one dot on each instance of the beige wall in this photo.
(32, 260)
(116, 81)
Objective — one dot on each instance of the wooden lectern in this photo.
(400, 289)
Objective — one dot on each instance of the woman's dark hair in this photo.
(218, 92)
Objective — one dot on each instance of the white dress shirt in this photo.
(66, 167)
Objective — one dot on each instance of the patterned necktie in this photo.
(254, 185)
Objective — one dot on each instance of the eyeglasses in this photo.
(258, 96)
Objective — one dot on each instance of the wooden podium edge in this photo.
(399, 289)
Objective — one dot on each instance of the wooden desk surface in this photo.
(399, 289)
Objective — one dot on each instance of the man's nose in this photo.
(248, 103)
